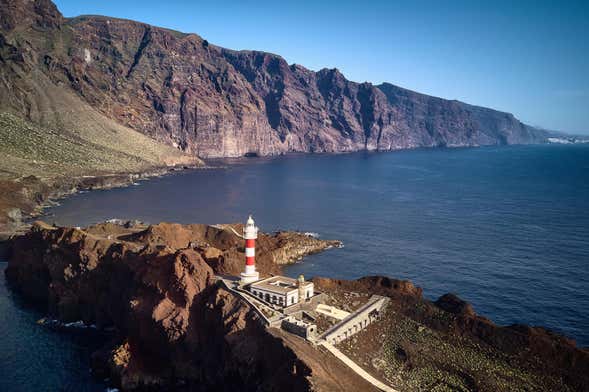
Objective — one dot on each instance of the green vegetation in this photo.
(48, 152)
(39, 158)
(412, 357)
(420, 359)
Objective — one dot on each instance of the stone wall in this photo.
(356, 321)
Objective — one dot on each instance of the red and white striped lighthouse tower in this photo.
(250, 233)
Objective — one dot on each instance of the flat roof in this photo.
(278, 284)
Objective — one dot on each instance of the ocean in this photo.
(39, 358)
(505, 228)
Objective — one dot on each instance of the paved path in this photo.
(352, 365)
(228, 283)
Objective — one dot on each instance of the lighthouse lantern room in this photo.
(250, 234)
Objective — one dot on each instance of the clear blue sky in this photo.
(530, 58)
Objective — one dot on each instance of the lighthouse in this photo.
(250, 234)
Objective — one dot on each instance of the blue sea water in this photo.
(37, 358)
(506, 228)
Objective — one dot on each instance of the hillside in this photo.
(180, 90)
(445, 345)
(175, 327)
(43, 161)
(51, 140)
(96, 96)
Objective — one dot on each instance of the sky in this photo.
(529, 58)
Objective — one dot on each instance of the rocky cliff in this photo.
(174, 327)
(183, 91)
(52, 140)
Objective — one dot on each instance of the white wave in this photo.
(73, 324)
(311, 234)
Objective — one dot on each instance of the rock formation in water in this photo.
(183, 91)
(175, 328)
(155, 286)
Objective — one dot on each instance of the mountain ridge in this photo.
(210, 101)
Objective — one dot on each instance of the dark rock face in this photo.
(39, 14)
(155, 286)
(214, 102)
(452, 304)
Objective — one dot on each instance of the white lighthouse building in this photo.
(250, 234)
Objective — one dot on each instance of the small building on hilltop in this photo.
(301, 328)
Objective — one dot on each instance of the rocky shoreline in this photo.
(155, 286)
(175, 328)
(26, 198)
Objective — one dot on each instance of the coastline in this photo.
(123, 180)
(466, 246)
(414, 333)
(46, 192)
(36, 195)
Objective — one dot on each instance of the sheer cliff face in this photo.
(173, 327)
(214, 102)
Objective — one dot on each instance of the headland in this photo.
(182, 319)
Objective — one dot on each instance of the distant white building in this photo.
(282, 291)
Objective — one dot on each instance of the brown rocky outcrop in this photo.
(175, 327)
(223, 249)
(214, 102)
(155, 285)
(555, 353)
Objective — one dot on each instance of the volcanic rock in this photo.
(215, 102)
(174, 325)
